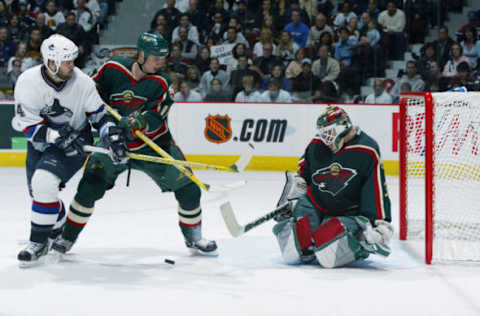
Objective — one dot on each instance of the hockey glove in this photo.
(70, 141)
(378, 236)
(113, 139)
(295, 186)
(134, 122)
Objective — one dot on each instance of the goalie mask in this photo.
(333, 125)
(58, 48)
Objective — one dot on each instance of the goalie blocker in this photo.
(340, 209)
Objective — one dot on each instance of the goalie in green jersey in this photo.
(141, 93)
(337, 206)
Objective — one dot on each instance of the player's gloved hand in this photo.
(378, 235)
(70, 141)
(135, 121)
(114, 139)
(295, 186)
(384, 229)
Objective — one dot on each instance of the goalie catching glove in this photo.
(295, 186)
(113, 139)
(136, 121)
(378, 236)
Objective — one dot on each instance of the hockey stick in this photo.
(238, 166)
(161, 152)
(211, 187)
(236, 229)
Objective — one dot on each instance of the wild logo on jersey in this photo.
(128, 100)
(56, 114)
(218, 129)
(333, 178)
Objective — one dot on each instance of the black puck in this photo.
(169, 261)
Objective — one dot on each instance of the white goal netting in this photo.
(456, 174)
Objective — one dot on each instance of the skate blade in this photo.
(31, 264)
(198, 252)
(54, 257)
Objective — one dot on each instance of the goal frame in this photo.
(429, 169)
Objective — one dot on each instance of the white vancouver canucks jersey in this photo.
(39, 102)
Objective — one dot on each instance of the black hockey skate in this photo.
(62, 245)
(54, 234)
(203, 246)
(29, 255)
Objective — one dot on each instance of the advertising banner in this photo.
(275, 129)
(219, 132)
(102, 53)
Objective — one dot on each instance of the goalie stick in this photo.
(236, 229)
(239, 165)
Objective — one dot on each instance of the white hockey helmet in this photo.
(58, 48)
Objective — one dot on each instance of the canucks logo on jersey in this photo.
(333, 179)
(55, 114)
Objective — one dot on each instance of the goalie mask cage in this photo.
(440, 174)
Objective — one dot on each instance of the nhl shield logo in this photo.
(218, 129)
(333, 179)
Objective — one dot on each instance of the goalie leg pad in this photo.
(294, 239)
(289, 247)
(303, 233)
(335, 245)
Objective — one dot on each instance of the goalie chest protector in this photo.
(349, 182)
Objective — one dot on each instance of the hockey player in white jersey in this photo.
(55, 106)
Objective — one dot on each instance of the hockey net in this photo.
(440, 173)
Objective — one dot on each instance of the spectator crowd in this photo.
(24, 24)
(310, 50)
(270, 50)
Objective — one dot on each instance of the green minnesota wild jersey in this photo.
(151, 95)
(349, 182)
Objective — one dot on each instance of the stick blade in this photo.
(226, 187)
(244, 159)
(229, 218)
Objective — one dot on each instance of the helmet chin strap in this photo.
(54, 74)
(141, 69)
(141, 66)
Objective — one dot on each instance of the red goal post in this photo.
(440, 173)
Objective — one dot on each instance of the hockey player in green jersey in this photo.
(337, 208)
(141, 93)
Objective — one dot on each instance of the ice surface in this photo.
(117, 266)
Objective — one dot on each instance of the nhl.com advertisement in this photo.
(277, 131)
(219, 130)
(210, 132)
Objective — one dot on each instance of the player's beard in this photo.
(65, 75)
